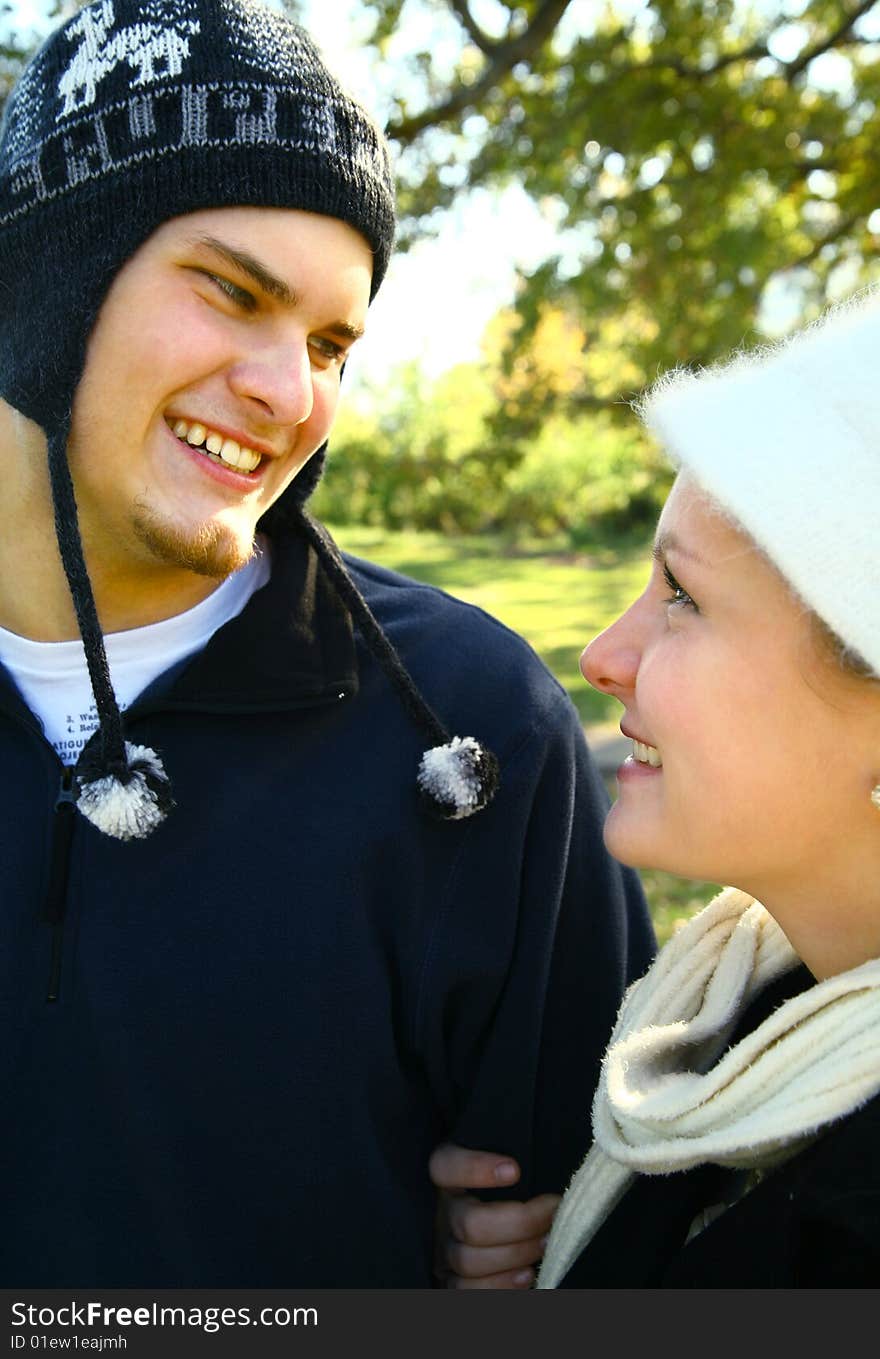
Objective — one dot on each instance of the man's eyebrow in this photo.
(270, 283)
(250, 265)
(668, 542)
(345, 330)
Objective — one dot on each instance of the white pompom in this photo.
(453, 777)
(126, 811)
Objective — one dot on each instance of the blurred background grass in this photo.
(557, 600)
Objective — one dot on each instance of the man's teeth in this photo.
(647, 755)
(222, 450)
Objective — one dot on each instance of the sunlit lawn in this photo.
(673, 900)
(557, 601)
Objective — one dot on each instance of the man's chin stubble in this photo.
(210, 550)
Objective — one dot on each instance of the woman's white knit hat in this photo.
(787, 440)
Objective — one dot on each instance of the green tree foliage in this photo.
(13, 51)
(691, 154)
(430, 455)
(414, 455)
(697, 159)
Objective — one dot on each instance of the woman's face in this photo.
(754, 756)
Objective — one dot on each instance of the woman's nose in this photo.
(611, 661)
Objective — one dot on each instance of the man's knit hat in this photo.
(787, 440)
(131, 114)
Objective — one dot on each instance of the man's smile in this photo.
(216, 446)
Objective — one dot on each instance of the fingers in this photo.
(491, 1245)
(506, 1224)
(510, 1279)
(485, 1245)
(457, 1169)
(474, 1263)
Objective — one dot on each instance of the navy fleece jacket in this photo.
(228, 1050)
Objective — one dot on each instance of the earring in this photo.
(875, 796)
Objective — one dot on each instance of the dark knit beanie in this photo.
(128, 115)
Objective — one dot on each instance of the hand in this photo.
(485, 1245)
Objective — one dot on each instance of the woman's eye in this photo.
(677, 593)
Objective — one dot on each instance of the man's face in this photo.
(221, 342)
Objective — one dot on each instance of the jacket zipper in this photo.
(59, 865)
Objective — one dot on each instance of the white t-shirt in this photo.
(54, 681)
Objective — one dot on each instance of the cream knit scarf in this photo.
(666, 1101)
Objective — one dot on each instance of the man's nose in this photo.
(278, 378)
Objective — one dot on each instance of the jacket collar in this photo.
(291, 646)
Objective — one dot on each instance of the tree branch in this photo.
(842, 228)
(502, 56)
(476, 34)
(754, 52)
(794, 68)
(505, 56)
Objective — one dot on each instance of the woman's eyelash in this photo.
(678, 594)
